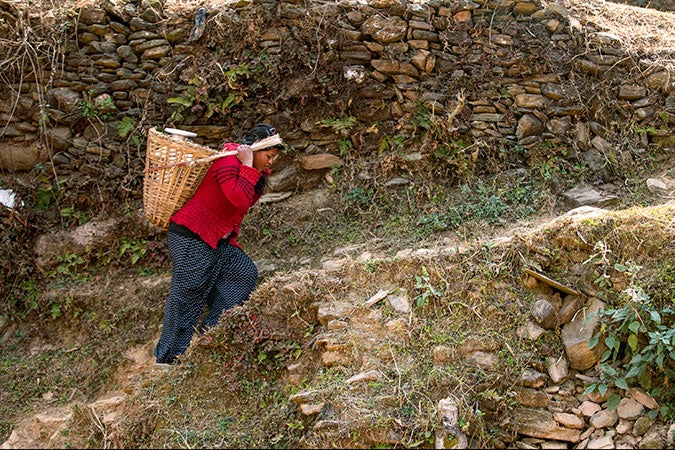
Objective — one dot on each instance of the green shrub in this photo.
(640, 340)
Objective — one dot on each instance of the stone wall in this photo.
(505, 74)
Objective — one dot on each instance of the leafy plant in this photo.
(68, 264)
(437, 222)
(359, 197)
(457, 154)
(200, 98)
(645, 129)
(389, 143)
(126, 126)
(102, 107)
(135, 249)
(23, 299)
(425, 287)
(601, 260)
(422, 118)
(640, 340)
(43, 197)
(344, 145)
(483, 202)
(548, 159)
(70, 215)
(339, 125)
(126, 129)
(58, 306)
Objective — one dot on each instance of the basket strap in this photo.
(269, 141)
(196, 161)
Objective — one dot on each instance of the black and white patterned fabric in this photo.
(217, 279)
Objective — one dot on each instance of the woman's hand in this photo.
(245, 155)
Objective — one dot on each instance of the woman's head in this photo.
(262, 158)
(258, 133)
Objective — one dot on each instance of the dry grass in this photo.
(641, 30)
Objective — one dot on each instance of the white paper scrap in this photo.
(7, 198)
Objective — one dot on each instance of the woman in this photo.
(209, 266)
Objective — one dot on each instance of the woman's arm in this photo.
(236, 181)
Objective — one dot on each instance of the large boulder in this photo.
(577, 334)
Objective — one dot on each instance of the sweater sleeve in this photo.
(236, 181)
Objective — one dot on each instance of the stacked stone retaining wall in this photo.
(508, 75)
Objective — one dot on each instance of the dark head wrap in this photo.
(258, 133)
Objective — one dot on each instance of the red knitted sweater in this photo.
(221, 201)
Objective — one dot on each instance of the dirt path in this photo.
(45, 429)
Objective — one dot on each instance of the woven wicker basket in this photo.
(172, 174)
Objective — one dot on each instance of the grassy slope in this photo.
(233, 389)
